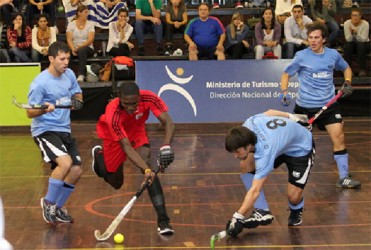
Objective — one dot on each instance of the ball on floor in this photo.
(119, 238)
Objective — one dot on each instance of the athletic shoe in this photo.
(259, 217)
(164, 228)
(94, 166)
(63, 216)
(49, 211)
(348, 182)
(239, 5)
(295, 218)
(215, 6)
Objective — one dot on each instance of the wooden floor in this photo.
(202, 189)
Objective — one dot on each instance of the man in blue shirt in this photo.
(315, 66)
(205, 35)
(51, 130)
(263, 143)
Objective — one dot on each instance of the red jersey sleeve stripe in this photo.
(116, 121)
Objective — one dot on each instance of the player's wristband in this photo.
(284, 90)
(148, 170)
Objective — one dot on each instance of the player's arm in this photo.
(132, 154)
(166, 120)
(33, 113)
(166, 156)
(284, 82)
(251, 195)
(300, 118)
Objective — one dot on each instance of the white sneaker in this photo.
(80, 78)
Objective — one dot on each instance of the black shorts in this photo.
(298, 167)
(56, 144)
(329, 116)
(206, 52)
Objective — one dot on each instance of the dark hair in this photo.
(129, 88)
(318, 6)
(298, 6)
(318, 26)
(14, 16)
(79, 9)
(46, 16)
(57, 47)
(273, 18)
(238, 137)
(356, 9)
(123, 10)
(204, 3)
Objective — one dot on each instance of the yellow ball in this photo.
(119, 238)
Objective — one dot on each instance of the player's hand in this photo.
(285, 98)
(165, 156)
(235, 226)
(299, 118)
(76, 104)
(149, 175)
(346, 89)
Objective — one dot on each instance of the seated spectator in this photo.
(205, 35)
(80, 37)
(176, 20)
(147, 18)
(40, 7)
(119, 34)
(356, 32)
(7, 8)
(236, 43)
(284, 8)
(324, 11)
(268, 35)
(101, 12)
(296, 31)
(19, 39)
(42, 37)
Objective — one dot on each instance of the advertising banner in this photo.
(215, 91)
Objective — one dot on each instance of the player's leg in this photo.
(261, 214)
(157, 195)
(336, 133)
(298, 172)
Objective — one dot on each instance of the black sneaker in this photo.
(348, 182)
(160, 50)
(295, 218)
(94, 166)
(259, 217)
(141, 51)
(63, 216)
(164, 228)
(49, 211)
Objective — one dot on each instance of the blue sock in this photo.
(298, 206)
(54, 190)
(66, 191)
(261, 202)
(341, 158)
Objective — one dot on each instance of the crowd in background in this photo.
(28, 28)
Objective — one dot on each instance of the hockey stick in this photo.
(313, 118)
(112, 227)
(36, 106)
(217, 236)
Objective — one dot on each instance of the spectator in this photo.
(80, 37)
(236, 43)
(268, 35)
(205, 35)
(284, 8)
(119, 34)
(296, 31)
(101, 13)
(42, 37)
(40, 7)
(324, 11)
(176, 20)
(356, 32)
(7, 8)
(4, 56)
(19, 39)
(147, 15)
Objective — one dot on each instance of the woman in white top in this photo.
(284, 8)
(268, 35)
(119, 34)
(80, 37)
(42, 37)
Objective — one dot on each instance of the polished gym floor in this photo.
(202, 189)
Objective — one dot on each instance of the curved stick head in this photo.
(98, 235)
(212, 240)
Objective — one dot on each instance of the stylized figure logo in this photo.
(177, 88)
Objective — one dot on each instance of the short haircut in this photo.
(356, 9)
(123, 10)
(129, 88)
(317, 26)
(239, 137)
(204, 3)
(57, 47)
(298, 6)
